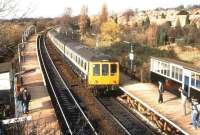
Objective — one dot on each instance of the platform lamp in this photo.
(131, 56)
(97, 39)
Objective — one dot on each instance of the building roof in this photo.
(5, 67)
(182, 12)
(181, 63)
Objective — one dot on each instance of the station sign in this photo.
(131, 56)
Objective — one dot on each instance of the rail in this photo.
(130, 124)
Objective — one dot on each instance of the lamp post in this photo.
(131, 57)
(131, 54)
(97, 40)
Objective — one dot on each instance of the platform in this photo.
(171, 110)
(41, 109)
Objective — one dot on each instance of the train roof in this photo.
(90, 54)
(181, 63)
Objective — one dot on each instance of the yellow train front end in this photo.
(103, 73)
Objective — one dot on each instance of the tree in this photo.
(181, 7)
(128, 14)
(110, 32)
(65, 20)
(83, 20)
(146, 23)
(104, 14)
(10, 33)
(162, 37)
(152, 35)
(192, 34)
(163, 16)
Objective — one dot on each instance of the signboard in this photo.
(5, 81)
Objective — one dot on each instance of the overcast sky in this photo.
(52, 8)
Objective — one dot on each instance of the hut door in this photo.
(186, 87)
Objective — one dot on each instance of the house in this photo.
(182, 18)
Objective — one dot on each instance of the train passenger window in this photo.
(165, 69)
(198, 80)
(79, 60)
(71, 55)
(81, 63)
(176, 73)
(180, 74)
(113, 69)
(85, 66)
(162, 68)
(193, 79)
(105, 71)
(96, 70)
(159, 66)
(173, 72)
(168, 70)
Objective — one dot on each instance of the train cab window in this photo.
(198, 81)
(193, 79)
(105, 71)
(113, 69)
(96, 69)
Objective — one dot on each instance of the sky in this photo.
(53, 8)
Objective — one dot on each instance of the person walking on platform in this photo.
(160, 90)
(20, 100)
(195, 113)
(26, 100)
(183, 100)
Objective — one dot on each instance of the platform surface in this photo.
(171, 109)
(41, 109)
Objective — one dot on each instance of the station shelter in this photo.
(175, 74)
(6, 89)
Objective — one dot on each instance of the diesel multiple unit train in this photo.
(98, 69)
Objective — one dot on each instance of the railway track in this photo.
(71, 117)
(131, 124)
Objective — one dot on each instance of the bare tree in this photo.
(10, 33)
(83, 19)
(11, 8)
(128, 13)
(104, 14)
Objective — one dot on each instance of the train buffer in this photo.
(168, 116)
